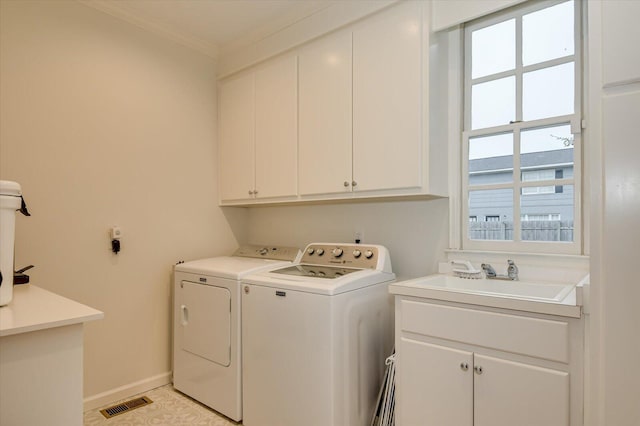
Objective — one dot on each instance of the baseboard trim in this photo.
(126, 391)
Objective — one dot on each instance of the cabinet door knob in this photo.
(250, 192)
(464, 366)
(346, 184)
(354, 183)
(478, 369)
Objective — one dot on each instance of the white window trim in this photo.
(460, 208)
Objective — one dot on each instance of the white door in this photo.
(387, 93)
(276, 104)
(205, 319)
(325, 116)
(286, 358)
(510, 393)
(435, 385)
(236, 146)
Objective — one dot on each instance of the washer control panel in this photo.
(347, 255)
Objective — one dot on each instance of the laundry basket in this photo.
(384, 413)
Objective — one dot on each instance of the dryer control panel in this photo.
(269, 252)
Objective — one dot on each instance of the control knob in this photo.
(263, 251)
(357, 253)
(368, 254)
(337, 252)
(320, 252)
(310, 251)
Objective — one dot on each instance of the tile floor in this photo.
(169, 408)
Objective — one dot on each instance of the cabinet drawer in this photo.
(534, 337)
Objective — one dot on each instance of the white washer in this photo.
(207, 343)
(315, 337)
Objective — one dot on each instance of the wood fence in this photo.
(532, 230)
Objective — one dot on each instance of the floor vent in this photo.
(125, 407)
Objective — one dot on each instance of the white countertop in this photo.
(570, 306)
(34, 308)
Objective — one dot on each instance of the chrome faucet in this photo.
(488, 270)
(512, 272)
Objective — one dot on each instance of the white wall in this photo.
(415, 232)
(105, 124)
(245, 53)
(613, 128)
(448, 13)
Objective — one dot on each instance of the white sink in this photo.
(539, 291)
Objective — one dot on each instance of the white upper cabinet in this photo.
(344, 116)
(236, 144)
(325, 116)
(258, 133)
(388, 100)
(276, 129)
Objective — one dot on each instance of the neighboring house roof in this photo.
(560, 157)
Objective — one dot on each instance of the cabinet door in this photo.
(236, 145)
(387, 93)
(276, 137)
(435, 385)
(325, 116)
(510, 393)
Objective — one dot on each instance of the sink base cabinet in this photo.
(447, 400)
(510, 393)
(447, 381)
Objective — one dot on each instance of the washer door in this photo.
(205, 317)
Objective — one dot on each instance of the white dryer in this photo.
(207, 324)
(315, 337)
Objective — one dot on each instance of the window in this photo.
(535, 175)
(521, 138)
(533, 217)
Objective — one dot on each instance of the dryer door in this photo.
(205, 318)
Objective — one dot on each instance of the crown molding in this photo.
(111, 8)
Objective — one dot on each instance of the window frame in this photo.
(516, 127)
